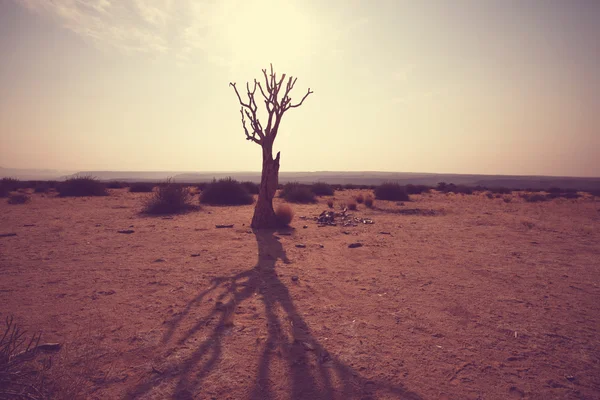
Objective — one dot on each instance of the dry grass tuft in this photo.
(351, 205)
(330, 203)
(369, 201)
(360, 198)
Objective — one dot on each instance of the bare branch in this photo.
(275, 104)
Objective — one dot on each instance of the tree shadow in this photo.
(313, 372)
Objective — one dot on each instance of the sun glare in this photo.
(268, 31)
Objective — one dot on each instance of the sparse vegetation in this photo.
(284, 214)
(391, 191)
(322, 189)
(226, 192)
(82, 186)
(369, 201)
(330, 203)
(360, 198)
(295, 192)
(44, 186)
(351, 205)
(19, 198)
(142, 187)
(170, 198)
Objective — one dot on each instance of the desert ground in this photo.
(467, 298)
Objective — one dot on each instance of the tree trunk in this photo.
(264, 215)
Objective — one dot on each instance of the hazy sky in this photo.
(491, 87)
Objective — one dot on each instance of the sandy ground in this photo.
(484, 300)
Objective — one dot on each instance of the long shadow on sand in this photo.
(313, 372)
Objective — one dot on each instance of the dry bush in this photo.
(351, 205)
(417, 189)
(19, 198)
(507, 199)
(170, 198)
(82, 186)
(4, 192)
(330, 203)
(10, 184)
(295, 192)
(284, 214)
(116, 185)
(534, 198)
(369, 201)
(360, 198)
(227, 192)
(18, 377)
(251, 187)
(322, 189)
(142, 187)
(391, 191)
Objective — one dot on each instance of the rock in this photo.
(196, 255)
(301, 246)
(159, 260)
(7, 234)
(28, 225)
(126, 231)
(321, 246)
(305, 226)
(295, 278)
(346, 232)
(384, 233)
(354, 245)
(224, 226)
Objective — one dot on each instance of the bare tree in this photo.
(264, 215)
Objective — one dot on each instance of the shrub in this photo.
(534, 198)
(170, 198)
(295, 192)
(391, 191)
(369, 201)
(141, 187)
(360, 198)
(284, 214)
(251, 187)
(351, 205)
(11, 184)
(116, 185)
(43, 187)
(500, 190)
(330, 203)
(416, 189)
(489, 195)
(82, 186)
(226, 192)
(322, 189)
(4, 192)
(19, 198)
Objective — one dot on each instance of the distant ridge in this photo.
(333, 177)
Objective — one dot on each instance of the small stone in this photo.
(7, 234)
(384, 233)
(224, 226)
(301, 246)
(159, 260)
(196, 255)
(321, 246)
(354, 245)
(295, 278)
(126, 231)
(305, 226)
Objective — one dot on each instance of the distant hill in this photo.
(334, 177)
